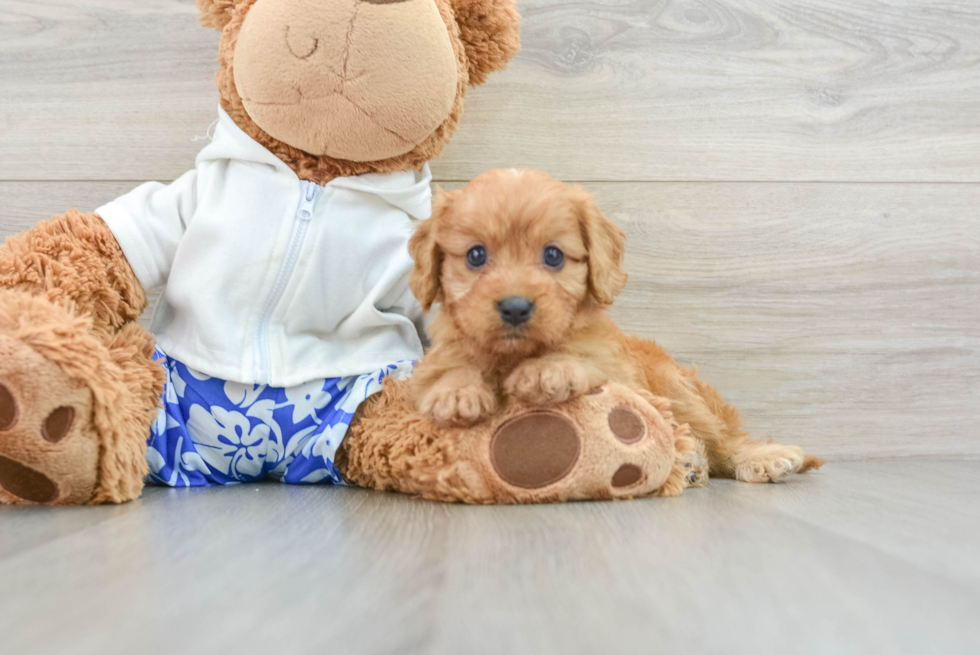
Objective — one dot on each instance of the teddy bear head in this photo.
(346, 87)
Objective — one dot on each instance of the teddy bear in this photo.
(286, 329)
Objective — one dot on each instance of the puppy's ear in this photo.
(491, 32)
(606, 245)
(216, 13)
(425, 282)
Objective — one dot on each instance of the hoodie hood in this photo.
(409, 191)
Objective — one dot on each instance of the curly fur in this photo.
(491, 31)
(74, 259)
(393, 448)
(216, 13)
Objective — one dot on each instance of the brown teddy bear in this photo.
(284, 257)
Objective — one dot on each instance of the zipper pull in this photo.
(309, 201)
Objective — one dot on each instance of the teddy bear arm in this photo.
(74, 259)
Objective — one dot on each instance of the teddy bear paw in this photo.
(610, 443)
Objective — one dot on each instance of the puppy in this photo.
(525, 269)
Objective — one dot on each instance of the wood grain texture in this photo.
(873, 557)
(642, 90)
(842, 317)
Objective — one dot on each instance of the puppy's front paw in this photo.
(548, 381)
(449, 405)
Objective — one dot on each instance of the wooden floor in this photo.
(877, 557)
(800, 183)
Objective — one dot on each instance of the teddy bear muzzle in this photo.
(358, 81)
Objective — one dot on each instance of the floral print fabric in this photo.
(210, 431)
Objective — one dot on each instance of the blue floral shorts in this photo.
(214, 432)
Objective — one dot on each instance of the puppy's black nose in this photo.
(515, 310)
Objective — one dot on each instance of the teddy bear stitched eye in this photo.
(476, 257)
(553, 257)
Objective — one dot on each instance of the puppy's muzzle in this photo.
(515, 311)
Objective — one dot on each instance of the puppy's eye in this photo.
(476, 257)
(553, 257)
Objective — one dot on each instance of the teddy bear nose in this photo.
(515, 310)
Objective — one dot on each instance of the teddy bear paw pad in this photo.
(535, 450)
(26, 483)
(8, 409)
(627, 425)
(58, 424)
(626, 476)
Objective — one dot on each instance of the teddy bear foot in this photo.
(75, 405)
(609, 444)
(48, 448)
(599, 448)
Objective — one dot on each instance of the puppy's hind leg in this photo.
(732, 452)
(756, 461)
(714, 422)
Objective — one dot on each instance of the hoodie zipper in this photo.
(301, 224)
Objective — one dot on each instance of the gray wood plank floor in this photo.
(861, 557)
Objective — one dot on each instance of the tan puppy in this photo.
(525, 268)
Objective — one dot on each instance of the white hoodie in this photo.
(272, 280)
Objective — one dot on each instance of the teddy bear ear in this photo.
(216, 13)
(491, 31)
